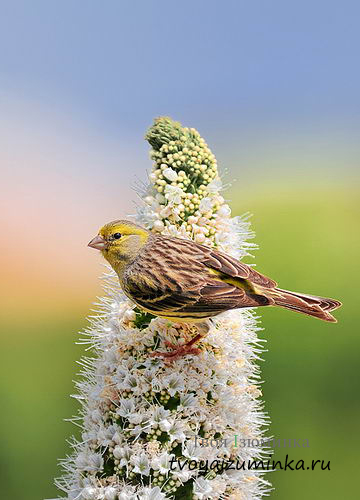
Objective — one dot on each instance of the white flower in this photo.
(149, 200)
(141, 464)
(90, 493)
(127, 408)
(110, 493)
(173, 230)
(160, 417)
(205, 205)
(173, 194)
(152, 177)
(117, 438)
(165, 212)
(193, 220)
(152, 494)
(118, 452)
(176, 432)
(122, 453)
(162, 463)
(188, 401)
(183, 475)
(159, 225)
(127, 494)
(146, 216)
(130, 383)
(105, 435)
(120, 375)
(143, 421)
(214, 186)
(111, 356)
(129, 315)
(173, 383)
(160, 198)
(202, 488)
(96, 415)
(200, 238)
(192, 449)
(170, 174)
(218, 486)
(89, 461)
(224, 211)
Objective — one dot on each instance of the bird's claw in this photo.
(176, 353)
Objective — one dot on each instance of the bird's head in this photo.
(120, 241)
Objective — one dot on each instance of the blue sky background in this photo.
(272, 85)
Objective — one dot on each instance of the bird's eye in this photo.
(116, 236)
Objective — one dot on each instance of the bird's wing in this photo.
(227, 265)
(196, 297)
(152, 292)
(172, 279)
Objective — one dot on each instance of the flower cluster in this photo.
(141, 417)
(184, 167)
(184, 196)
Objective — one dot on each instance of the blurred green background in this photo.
(309, 243)
(274, 89)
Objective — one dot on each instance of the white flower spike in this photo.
(148, 428)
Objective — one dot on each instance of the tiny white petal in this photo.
(205, 205)
(170, 174)
(110, 493)
(159, 225)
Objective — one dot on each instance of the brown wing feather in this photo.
(236, 269)
(224, 263)
(172, 278)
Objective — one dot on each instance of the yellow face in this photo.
(119, 242)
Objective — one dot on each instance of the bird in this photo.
(187, 282)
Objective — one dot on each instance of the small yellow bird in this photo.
(186, 282)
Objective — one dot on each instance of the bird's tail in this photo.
(319, 307)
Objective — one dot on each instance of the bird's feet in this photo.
(178, 351)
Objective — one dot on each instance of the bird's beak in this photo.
(98, 242)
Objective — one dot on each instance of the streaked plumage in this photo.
(185, 281)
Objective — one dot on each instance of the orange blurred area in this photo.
(61, 182)
(54, 198)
